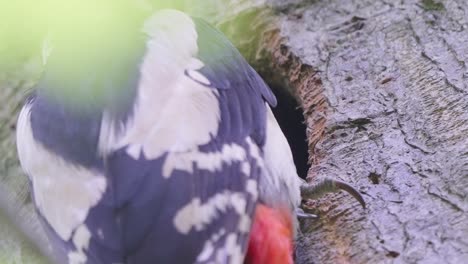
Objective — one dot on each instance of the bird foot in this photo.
(303, 215)
(329, 186)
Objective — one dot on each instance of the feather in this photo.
(180, 157)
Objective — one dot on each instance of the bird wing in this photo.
(186, 168)
(171, 179)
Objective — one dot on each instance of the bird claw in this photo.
(303, 215)
(328, 186)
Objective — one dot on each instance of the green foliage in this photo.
(431, 5)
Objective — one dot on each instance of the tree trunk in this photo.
(21, 235)
(384, 91)
(383, 86)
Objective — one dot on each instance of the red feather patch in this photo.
(271, 237)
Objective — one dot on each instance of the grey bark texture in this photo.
(384, 90)
(21, 235)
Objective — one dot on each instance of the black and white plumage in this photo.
(168, 162)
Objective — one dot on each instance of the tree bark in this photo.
(21, 236)
(384, 90)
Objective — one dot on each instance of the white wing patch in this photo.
(230, 252)
(208, 248)
(186, 118)
(80, 240)
(196, 215)
(211, 161)
(252, 188)
(173, 112)
(255, 152)
(62, 193)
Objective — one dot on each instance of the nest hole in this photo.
(291, 120)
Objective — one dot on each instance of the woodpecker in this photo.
(169, 153)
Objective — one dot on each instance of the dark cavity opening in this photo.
(291, 120)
